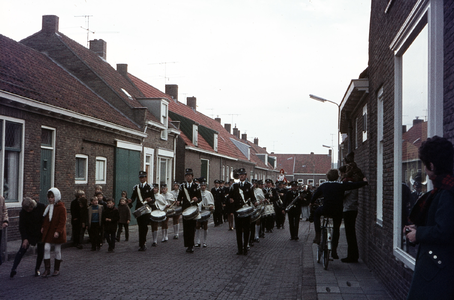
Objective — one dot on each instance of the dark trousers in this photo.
(350, 233)
(293, 223)
(143, 222)
(269, 221)
(75, 231)
(280, 217)
(217, 217)
(120, 230)
(22, 251)
(252, 232)
(337, 220)
(110, 238)
(189, 232)
(242, 226)
(95, 235)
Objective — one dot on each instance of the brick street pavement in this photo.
(275, 268)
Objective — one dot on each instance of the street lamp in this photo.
(317, 98)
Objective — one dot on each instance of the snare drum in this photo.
(269, 210)
(203, 216)
(244, 212)
(141, 211)
(158, 216)
(256, 215)
(190, 213)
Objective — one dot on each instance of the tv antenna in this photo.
(165, 69)
(87, 24)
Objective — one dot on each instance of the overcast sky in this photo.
(252, 63)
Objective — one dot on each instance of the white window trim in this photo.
(100, 158)
(364, 123)
(215, 142)
(428, 12)
(380, 119)
(54, 136)
(85, 181)
(195, 135)
(21, 162)
(208, 169)
(149, 152)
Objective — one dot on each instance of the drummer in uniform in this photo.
(270, 198)
(260, 197)
(242, 192)
(293, 211)
(279, 205)
(189, 195)
(176, 217)
(207, 204)
(219, 199)
(143, 193)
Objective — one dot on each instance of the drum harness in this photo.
(139, 194)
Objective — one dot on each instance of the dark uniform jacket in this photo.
(248, 192)
(289, 197)
(219, 198)
(114, 216)
(193, 191)
(146, 191)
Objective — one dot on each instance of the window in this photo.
(364, 123)
(418, 108)
(81, 169)
(47, 170)
(380, 157)
(164, 171)
(320, 181)
(11, 153)
(101, 170)
(205, 169)
(310, 182)
(195, 135)
(148, 163)
(164, 120)
(215, 143)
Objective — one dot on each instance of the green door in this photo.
(45, 174)
(204, 169)
(127, 167)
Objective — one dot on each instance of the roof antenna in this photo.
(87, 24)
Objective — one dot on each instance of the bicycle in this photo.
(326, 237)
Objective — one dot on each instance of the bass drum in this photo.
(158, 216)
(245, 212)
(190, 213)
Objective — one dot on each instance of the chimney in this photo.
(50, 24)
(404, 128)
(218, 120)
(236, 132)
(228, 127)
(123, 69)
(172, 91)
(192, 102)
(99, 47)
(244, 136)
(256, 141)
(417, 121)
(330, 152)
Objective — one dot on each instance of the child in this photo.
(125, 218)
(110, 219)
(53, 230)
(83, 206)
(94, 223)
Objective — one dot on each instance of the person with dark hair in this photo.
(333, 193)
(433, 225)
(75, 219)
(30, 222)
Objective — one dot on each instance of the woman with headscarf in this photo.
(53, 230)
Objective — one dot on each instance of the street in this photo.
(273, 269)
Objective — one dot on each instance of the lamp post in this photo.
(317, 98)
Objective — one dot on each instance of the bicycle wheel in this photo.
(325, 250)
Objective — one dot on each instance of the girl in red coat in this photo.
(53, 230)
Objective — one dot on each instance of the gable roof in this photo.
(28, 73)
(304, 163)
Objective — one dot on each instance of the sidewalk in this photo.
(341, 280)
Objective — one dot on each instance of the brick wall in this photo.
(448, 109)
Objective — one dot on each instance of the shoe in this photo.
(291, 238)
(110, 250)
(296, 238)
(98, 248)
(349, 260)
(117, 239)
(256, 240)
(154, 244)
(334, 255)
(271, 231)
(13, 272)
(191, 250)
(175, 237)
(239, 253)
(163, 240)
(197, 245)
(37, 273)
(46, 268)
(142, 248)
(57, 267)
(79, 246)
(204, 245)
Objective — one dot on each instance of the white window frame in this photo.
(20, 184)
(85, 180)
(364, 123)
(215, 142)
(148, 166)
(102, 171)
(380, 142)
(195, 134)
(164, 120)
(311, 182)
(424, 12)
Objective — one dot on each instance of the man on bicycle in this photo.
(333, 193)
